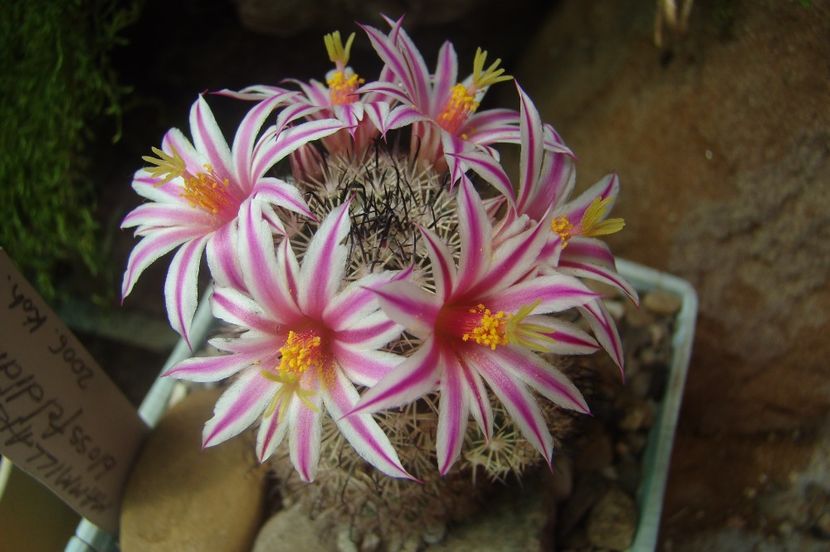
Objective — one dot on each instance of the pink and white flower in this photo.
(482, 324)
(447, 128)
(195, 192)
(306, 344)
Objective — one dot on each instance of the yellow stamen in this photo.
(338, 53)
(206, 191)
(563, 227)
(491, 328)
(167, 167)
(482, 78)
(300, 352)
(592, 223)
(283, 395)
(461, 105)
(342, 86)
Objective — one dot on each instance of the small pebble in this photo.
(661, 302)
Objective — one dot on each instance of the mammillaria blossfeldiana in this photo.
(383, 296)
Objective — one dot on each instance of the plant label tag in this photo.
(61, 418)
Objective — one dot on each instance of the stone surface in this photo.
(291, 530)
(723, 147)
(613, 520)
(513, 522)
(181, 498)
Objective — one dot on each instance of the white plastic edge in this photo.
(661, 438)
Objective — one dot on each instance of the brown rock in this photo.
(661, 302)
(613, 521)
(291, 530)
(723, 150)
(181, 498)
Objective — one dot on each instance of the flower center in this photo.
(461, 105)
(487, 328)
(302, 350)
(208, 192)
(563, 227)
(342, 81)
(204, 190)
(342, 86)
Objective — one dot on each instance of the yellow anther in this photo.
(167, 167)
(342, 86)
(482, 78)
(300, 352)
(563, 227)
(491, 328)
(592, 223)
(206, 191)
(461, 105)
(338, 53)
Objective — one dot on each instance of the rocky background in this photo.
(722, 141)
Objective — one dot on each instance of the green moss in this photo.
(57, 85)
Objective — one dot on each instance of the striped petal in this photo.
(443, 266)
(304, 436)
(413, 378)
(371, 332)
(608, 186)
(453, 411)
(554, 293)
(361, 430)
(258, 260)
(600, 274)
(209, 140)
(174, 139)
(288, 141)
(212, 368)
(324, 262)
(155, 215)
(233, 306)
(446, 76)
(180, 286)
(532, 136)
(605, 330)
(364, 366)
(272, 430)
(151, 248)
(222, 259)
(356, 301)
(538, 374)
(238, 407)
(477, 398)
(519, 403)
(513, 259)
(394, 59)
(489, 169)
(562, 338)
(476, 236)
(410, 306)
(245, 138)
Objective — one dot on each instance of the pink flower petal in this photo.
(554, 293)
(212, 368)
(287, 142)
(519, 404)
(272, 431)
(209, 140)
(453, 410)
(364, 366)
(151, 248)
(361, 430)
(539, 375)
(222, 259)
(238, 407)
(489, 169)
(476, 236)
(180, 294)
(567, 338)
(443, 266)
(446, 75)
(412, 379)
(243, 142)
(530, 165)
(174, 139)
(154, 215)
(605, 331)
(477, 398)
(410, 306)
(394, 59)
(304, 436)
(324, 262)
(600, 274)
(355, 302)
(237, 308)
(371, 332)
(513, 259)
